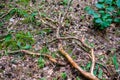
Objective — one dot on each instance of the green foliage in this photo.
(43, 78)
(96, 69)
(41, 62)
(78, 78)
(23, 2)
(64, 2)
(100, 73)
(88, 65)
(44, 50)
(45, 31)
(114, 59)
(64, 75)
(107, 12)
(27, 16)
(20, 40)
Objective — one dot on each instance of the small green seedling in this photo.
(41, 62)
(115, 62)
(64, 75)
(64, 2)
(21, 40)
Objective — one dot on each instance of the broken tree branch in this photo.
(70, 38)
(74, 64)
(38, 54)
(93, 61)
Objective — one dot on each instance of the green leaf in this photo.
(109, 20)
(64, 75)
(117, 20)
(41, 62)
(96, 15)
(108, 1)
(98, 20)
(88, 66)
(101, 0)
(27, 46)
(64, 2)
(100, 73)
(19, 44)
(118, 3)
(110, 8)
(91, 12)
(118, 12)
(44, 50)
(87, 8)
(47, 30)
(105, 16)
(8, 37)
(29, 34)
(100, 6)
(96, 69)
(101, 12)
(77, 78)
(105, 24)
(114, 59)
(1, 24)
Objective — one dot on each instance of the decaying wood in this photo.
(74, 64)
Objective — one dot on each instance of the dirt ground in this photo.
(77, 23)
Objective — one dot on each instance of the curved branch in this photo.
(74, 64)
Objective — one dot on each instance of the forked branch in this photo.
(74, 64)
(38, 54)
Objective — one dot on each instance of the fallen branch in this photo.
(74, 64)
(38, 54)
(93, 61)
(70, 38)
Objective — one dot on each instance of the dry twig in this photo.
(70, 38)
(93, 61)
(38, 54)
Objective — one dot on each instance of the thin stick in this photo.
(74, 64)
(38, 54)
(66, 38)
(93, 61)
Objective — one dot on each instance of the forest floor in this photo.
(58, 20)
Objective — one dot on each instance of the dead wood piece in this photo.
(93, 61)
(38, 54)
(74, 64)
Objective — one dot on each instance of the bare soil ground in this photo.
(77, 23)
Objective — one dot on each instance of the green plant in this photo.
(64, 2)
(108, 12)
(100, 73)
(44, 50)
(43, 78)
(64, 75)
(54, 79)
(88, 65)
(78, 78)
(20, 40)
(114, 60)
(41, 62)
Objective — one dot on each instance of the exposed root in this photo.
(38, 54)
(74, 64)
